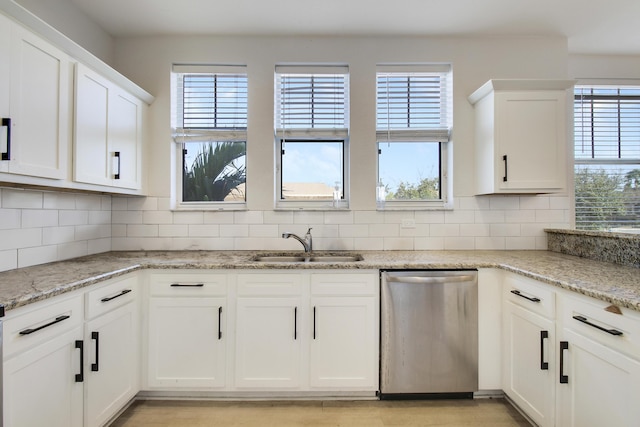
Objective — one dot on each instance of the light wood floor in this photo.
(479, 412)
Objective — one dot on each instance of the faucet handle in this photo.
(309, 230)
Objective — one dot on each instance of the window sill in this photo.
(209, 207)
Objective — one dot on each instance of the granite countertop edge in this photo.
(616, 284)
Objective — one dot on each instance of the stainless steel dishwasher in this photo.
(429, 333)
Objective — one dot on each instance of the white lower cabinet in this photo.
(112, 349)
(43, 365)
(187, 330)
(528, 347)
(599, 366)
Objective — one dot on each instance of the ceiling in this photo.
(599, 27)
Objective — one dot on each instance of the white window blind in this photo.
(607, 157)
(311, 100)
(413, 103)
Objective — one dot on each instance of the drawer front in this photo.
(344, 283)
(270, 284)
(187, 284)
(589, 318)
(112, 294)
(41, 322)
(537, 297)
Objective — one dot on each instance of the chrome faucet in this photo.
(307, 242)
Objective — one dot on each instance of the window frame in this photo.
(284, 133)
(423, 134)
(203, 135)
(606, 159)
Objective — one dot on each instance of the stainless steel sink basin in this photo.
(288, 258)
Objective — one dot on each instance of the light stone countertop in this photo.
(617, 284)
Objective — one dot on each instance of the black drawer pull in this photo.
(609, 331)
(95, 367)
(544, 366)
(219, 323)
(187, 285)
(6, 122)
(314, 322)
(504, 159)
(564, 345)
(32, 330)
(295, 323)
(516, 292)
(80, 346)
(124, 292)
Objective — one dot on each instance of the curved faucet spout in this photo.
(307, 242)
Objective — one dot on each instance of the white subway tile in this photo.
(505, 230)
(248, 217)
(72, 250)
(88, 202)
(232, 230)
(142, 204)
(10, 218)
(534, 202)
(330, 231)
(333, 244)
(489, 217)
(188, 217)
(368, 243)
(126, 217)
(200, 244)
(119, 203)
(39, 218)
(459, 217)
(534, 230)
(164, 203)
(142, 230)
(444, 230)
(559, 202)
(20, 238)
(308, 217)
(384, 230)
(353, 230)
(419, 230)
(398, 244)
(157, 217)
(504, 202)
(396, 217)
(459, 243)
(474, 203)
(59, 201)
(429, 244)
(8, 259)
(257, 230)
(37, 255)
(88, 232)
(173, 230)
(476, 230)
(218, 217)
(338, 217)
(254, 243)
(520, 243)
(430, 217)
(119, 230)
(368, 217)
(57, 235)
(521, 216)
(141, 243)
(278, 217)
(541, 243)
(489, 243)
(99, 217)
(201, 230)
(105, 203)
(556, 215)
(98, 246)
(21, 199)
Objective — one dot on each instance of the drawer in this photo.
(111, 294)
(270, 284)
(187, 284)
(344, 283)
(588, 317)
(40, 322)
(535, 296)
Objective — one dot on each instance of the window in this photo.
(607, 158)
(311, 132)
(210, 129)
(413, 124)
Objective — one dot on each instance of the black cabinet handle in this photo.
(219, 323)
(593, 325)
(314, 323)
(6, 122)
(124, 292)
(80, 346)
(544, 366)
(295, 323)
(116, 154)
(53, 322)
(504, 158)
(95, 367)
(187, 285)
(516, 292)
(564, 345)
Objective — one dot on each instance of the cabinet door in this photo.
(41, 385)
(602, 385)
(187, 342)
(112, 363)
(269, 333)
(343, 335)
(40, 83)
(125, 134)
(531, 140)
(5, 76)
(529, 363)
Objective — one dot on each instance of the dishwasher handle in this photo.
(429, 280)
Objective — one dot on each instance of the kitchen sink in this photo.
(302, 258)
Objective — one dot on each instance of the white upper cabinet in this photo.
(35, 104)
(521, 136)
(108, 132)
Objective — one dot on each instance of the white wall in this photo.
(37, 227)
(496, 222)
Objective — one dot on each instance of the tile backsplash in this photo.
(37, 227)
